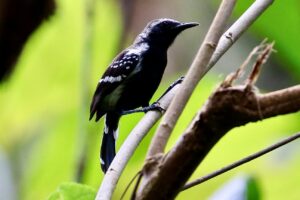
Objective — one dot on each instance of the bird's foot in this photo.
(154, 106)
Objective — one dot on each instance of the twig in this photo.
(262, 58)
(127, 149)
(137, 175)
(235, 75)
(241, 162)
(238, 28)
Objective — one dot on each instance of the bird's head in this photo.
(163, 31)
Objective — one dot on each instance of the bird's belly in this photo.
(138, 92)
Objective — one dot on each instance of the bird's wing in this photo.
(121, 67)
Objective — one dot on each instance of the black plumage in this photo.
(132, 78)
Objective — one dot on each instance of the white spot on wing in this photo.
(111, 79)
(137, 51)
(105, 129)
(102, 161)
(116, 133)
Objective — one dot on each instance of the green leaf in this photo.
(73, 191)
(252, 190)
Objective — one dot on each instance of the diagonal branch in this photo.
(226, 108)
(238, 28)
(193, 76)
(241, 162)
(228, 38)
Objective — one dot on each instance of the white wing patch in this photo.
(123, 66)
(111, 79)
(116, 134)
(105, 129)
(102, 161)
(137, 51)
(127, 61)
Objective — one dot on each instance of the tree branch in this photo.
(237, 29)
(192, 78)
(241, 162)
(228, 38)
(228, 107)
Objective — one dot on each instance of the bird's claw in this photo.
(155, 106)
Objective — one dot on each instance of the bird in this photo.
(132, 78)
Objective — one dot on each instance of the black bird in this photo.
(132, 78)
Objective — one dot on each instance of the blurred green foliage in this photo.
(279, 23)
(243, 187)
(71, 191)
(40, 108)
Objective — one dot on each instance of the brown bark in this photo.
(228, 107)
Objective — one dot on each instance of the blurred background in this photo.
(53, 54)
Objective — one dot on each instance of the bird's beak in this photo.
(187, 25)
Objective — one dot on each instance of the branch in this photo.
(228, 38)
(241, 162)
(238, 28)
(192, 78)
(113, 174)
(228, 107)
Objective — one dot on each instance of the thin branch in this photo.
(138, 176)
(235, 75)
(226, 108)
(238, 28)
(192, 78)
(226, 41)
(241, 162)
(262, 58)
(127, 149)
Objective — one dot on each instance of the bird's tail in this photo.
(108, 142)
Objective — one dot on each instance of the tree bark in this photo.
(228, 107)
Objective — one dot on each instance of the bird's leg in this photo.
(155, 105)
(178, 81)
(126, 112)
